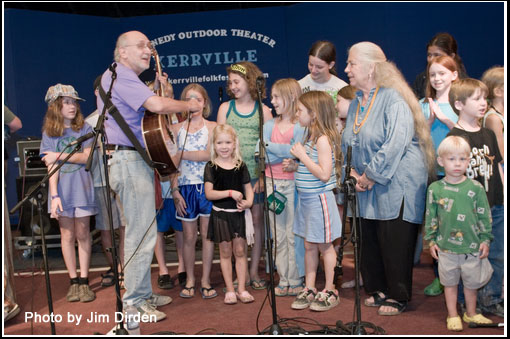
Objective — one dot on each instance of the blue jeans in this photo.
(490, 294)
(133, 180)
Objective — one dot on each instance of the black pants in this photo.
(387, 255)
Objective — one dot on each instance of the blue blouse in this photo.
(387, 150)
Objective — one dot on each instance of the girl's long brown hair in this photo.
(323, 123)
(53, 123)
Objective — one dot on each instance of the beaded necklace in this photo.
(357, 126)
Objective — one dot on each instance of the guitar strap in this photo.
(114, 112)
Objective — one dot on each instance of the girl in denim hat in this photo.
(71, 188)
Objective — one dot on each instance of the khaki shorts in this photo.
(475, 273)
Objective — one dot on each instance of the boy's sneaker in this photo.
(325, 300)
(496, 309)
(304, 298)
(159, 300)
(434, 289)
(74, 293)
(151, 311)
(477, 319)
(165, 282)
(86, 294)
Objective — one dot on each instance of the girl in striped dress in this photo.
(317, 218)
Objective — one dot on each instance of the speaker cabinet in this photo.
(30, 219)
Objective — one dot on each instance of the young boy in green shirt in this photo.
(458, 226)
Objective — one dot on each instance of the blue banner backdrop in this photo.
(42, 49)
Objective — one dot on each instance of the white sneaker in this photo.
(159, 300)
(151, 311)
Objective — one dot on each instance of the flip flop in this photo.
(258, 284)
(208, 289)
(191, 292)
(281, 291)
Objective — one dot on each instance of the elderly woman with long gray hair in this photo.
(392, 155)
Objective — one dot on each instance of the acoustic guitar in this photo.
(159, 139)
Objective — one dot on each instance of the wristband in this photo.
(174, 190)
(54, 196)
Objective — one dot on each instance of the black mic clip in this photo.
(112, 67)
(260, 82)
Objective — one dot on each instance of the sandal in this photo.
(190, 290)
(108, 278)
(245, 297)
(230, 298)
(121, 281)
(400, 307)
(454, 324)
(203, 291)
(295, 289)
(258, 284)
(281, 291)
(378, 300)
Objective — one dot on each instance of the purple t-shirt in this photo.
(128, 95)
(75, 185)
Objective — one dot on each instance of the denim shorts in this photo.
(316, 218)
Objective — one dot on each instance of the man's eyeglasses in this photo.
(141, 45)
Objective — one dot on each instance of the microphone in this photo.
(112, 67)
(349, 180)
(83, 138)
(220, 94)
(349, 157)
(192, 96)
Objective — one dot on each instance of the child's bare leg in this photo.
(226, 264)
(450, 295)
(470, 296)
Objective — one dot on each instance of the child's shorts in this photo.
(78, 212)
(196, 203)
(165, 217)
(475, 273)
(317, 218)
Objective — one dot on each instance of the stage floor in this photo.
(197, 316)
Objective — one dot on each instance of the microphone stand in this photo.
(275, 329)
(356, 327)
(36, 192)
(99, 129)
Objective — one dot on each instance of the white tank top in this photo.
(192, 172)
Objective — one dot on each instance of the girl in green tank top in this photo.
(242, 113)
